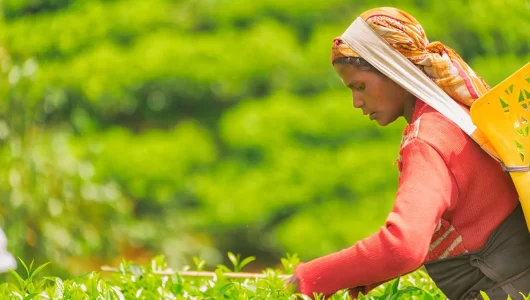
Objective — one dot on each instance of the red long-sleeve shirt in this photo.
(451, 196)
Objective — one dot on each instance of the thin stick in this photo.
(203, 273)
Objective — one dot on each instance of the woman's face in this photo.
(376, 95)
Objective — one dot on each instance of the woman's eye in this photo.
(359, 88)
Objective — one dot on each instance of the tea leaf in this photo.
(246, 261)
(21, 282)
(36, 271)
(225, 288)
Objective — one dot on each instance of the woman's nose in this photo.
(357, 102)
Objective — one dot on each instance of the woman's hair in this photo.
(358, 62)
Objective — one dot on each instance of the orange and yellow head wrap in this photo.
(439, 62)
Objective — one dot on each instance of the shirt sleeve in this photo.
(426, 189)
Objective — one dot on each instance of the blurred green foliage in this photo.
(189, 127)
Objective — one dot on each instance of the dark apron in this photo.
(500, 268)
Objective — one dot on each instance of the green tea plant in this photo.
(131, 281)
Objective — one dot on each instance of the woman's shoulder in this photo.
(432, 127)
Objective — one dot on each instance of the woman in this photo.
(456, 210)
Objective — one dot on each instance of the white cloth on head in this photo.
(371, 47)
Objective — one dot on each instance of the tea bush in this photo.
(154, 281)
(157, 281)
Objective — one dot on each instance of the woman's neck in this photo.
(408, 109)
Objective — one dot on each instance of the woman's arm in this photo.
(426, 189)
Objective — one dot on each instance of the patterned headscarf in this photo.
(439, 62)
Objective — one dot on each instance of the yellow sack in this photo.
(503, 116)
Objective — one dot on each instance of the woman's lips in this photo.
(370, 115)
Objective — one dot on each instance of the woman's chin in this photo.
(379, 121)
(382, 122)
